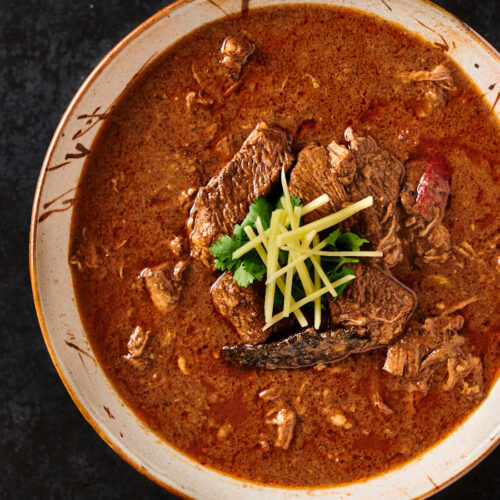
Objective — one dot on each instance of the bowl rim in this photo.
(85, 86)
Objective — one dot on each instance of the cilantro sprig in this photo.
(250, 267)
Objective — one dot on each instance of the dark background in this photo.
(47, 450)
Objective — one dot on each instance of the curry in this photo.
(341, 104)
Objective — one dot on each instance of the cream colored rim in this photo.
(34, 226)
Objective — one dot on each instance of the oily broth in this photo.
(318, 69)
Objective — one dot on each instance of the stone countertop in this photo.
(47, 450)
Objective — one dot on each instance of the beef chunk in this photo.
(375, 303)
(349, 174)
(164, 282)
(235, 52)
(225, 200)
(333, 167)
(243, 307)
(423, 347)
(379, 404)
(424, 200)
(404, 356)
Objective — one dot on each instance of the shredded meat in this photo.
(285, 420)
(164, 282)
(269, 394)
(235, 53)
(137, 343)
(193, 98)
(434, 342)
(87, 257)
(460, 367)
(424, 202)
(135, 347)
(439, 74)
(433, 86)
(376, 398)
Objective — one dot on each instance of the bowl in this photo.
(56, 304)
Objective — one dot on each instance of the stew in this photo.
(348, 106)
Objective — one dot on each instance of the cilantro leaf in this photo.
(223, 250)
(283, 258)
(350, 241)
(332, 237)
(243, 276)
(259, 208)
(253, 264)
(345, 241)
(249, 267)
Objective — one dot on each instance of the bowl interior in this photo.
(56, 303)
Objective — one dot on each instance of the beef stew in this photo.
(347, 105)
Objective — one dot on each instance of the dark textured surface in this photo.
(47, 450)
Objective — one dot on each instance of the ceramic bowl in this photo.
(55, 299)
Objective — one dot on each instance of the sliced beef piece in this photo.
(235, 53)
(225, 200)
(415, 355)
(243, 307)
(164, 282)
(375, 303)
(349, 174)
(424, 200)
